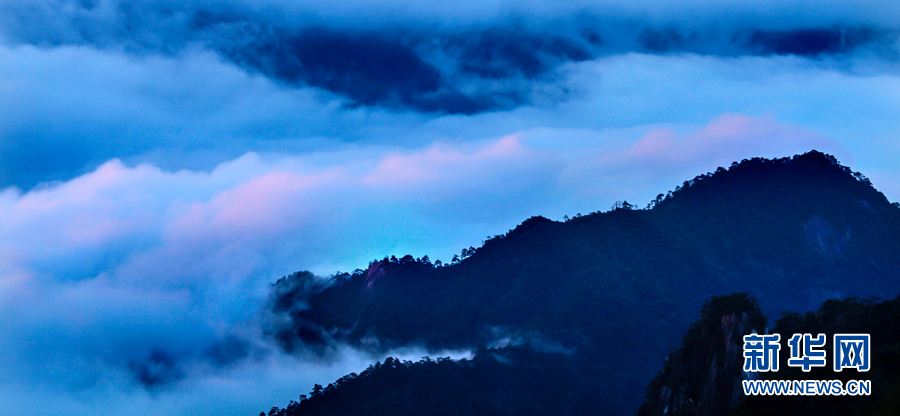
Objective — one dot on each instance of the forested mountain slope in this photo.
(611, 291)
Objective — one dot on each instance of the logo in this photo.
(810, 356)
(851, 351)
(761, 352)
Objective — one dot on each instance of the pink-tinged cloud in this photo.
(264, 204)
(83, 215)
(728, 138)
(655, 142)
(596, 174)
(443, 163)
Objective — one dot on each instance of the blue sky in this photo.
(163, 162)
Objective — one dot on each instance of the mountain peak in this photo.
(810, 177)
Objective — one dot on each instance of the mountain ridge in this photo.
(794, 231)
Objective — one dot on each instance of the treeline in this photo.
(501, 381)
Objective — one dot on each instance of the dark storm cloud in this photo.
(392, 67)
(481, 64)
(836, 42)
(368, 68)
(434, 71)
(506, 53)
(812, 42)
(490, 67)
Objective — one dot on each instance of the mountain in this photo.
(609, 292)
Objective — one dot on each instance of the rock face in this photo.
(704, 376)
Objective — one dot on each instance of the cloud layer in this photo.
(72, 108)
(458, 59)
(156, 278)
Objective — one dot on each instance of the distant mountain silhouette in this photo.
(610, 292)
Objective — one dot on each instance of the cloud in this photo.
(157, 280)
(658, 159)
(721, 141)
(72, 108)
(458, 59)
(248, 388)
(191, 85)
